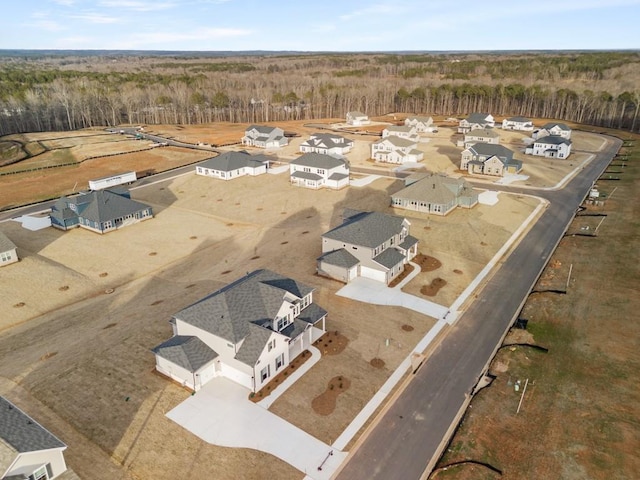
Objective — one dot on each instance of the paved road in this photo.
(409, 437)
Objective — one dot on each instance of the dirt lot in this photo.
(579, 414)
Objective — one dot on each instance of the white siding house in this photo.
(231, 165)
(517, 123)
(552, 146)
(316, 170)
(475, 121)
(397, 150)
(357, 119)
(326, 143)
(8, 251)
(248, 331)
(368, 244)
(480, 135)
(402, 131)
(421, 124)
(27, 449)
(552, 129)
(264, 137)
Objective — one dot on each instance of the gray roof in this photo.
(389, 258)
(356, 113)
(253, 345)
(420, 118)
(306, 175)
(482, 132)
(186, 351)
(338, 176)
(253, 299)
(519, 119)
(312, 314)
(104, 205)
(230, 161)
(490, 149)
(435, 188)
(399, 128)
(367, 229)
(550, 125)
(318, 160)
(263, 129)
(408, 242)
(397, 141)
(340, 258)
(477, 118)
(553, 140)
(22, 433)
(5, 243)
(327, 140)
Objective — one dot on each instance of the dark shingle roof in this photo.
(550, 125)
(397, 141)
(263, 129)
(253, 345)
(230, 161)
(327, 140)
(477, 118)
(318, 160)
(340, 258)
(519, 119)
(104, 205)
(434, 188)
(491, 149)
(22, 433)
(306, 175)
(408, 242)
(5, 243)
(253, 299)
(368, 229)
(482, 132)
(553, 140)
(187, 351)
(389, 258)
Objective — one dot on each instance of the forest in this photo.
(66, 91)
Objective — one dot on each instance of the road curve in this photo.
(409, 437)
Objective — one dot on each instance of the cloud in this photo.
(64, 3)
(374, 10)
(165, 39)
(47, 25)
(138, 6)
(95, 18)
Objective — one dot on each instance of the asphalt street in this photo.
(408, 439)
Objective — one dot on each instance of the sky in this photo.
(322, 25)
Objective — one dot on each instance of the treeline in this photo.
(66, 92)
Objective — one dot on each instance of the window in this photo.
(265, 373)
(279, 361)
(5, 256)
(281, 323)
(271, 345)
(40, 474)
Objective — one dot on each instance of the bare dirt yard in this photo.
(579, 415)
(82, 311)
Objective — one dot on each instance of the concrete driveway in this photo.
(221, 414)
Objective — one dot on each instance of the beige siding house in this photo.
(435, 193)
(489, 159)
(357, 119)
(8, 251)
(368, 244)
(248, 331)
(421, 124)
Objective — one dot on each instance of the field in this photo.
(579, 414)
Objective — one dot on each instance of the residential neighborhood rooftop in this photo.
(318, 160)
(369, 229)
(186, 351)
(5, 243)
(230, 161)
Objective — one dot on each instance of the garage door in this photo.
(237, 376)
(368, 272)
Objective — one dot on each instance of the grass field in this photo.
(579, 415)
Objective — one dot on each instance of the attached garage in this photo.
(238, 376)
(374, 274)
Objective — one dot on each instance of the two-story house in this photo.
(421, 124)
(402, 131)
(480, 135)
(394, 149)
(248, 331)
(357, 119)
(475, 121)
(27, 449)
(316, 170)
(489, 159)
(551, 146)
(369, 244)
(264, 137)
(552, 129)
(522, 124)
(230, 165)
(100, 211)
(326, 143)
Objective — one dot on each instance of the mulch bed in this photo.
(427, 263)
(407, 270)
(331, 343)
(325, 403)
(376, 363)
(407, 328)
(433, 288)
(281, 377)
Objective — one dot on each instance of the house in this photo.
(476, 120)
(100, 211)
(551, 146)
(421, 124)
(484, 135)
(326, 143)
(264, 137)
(552, 129)
(232, 165)
(357, 119)
(248, 331)
(27, 449)
(369, 244)
(394, 149)
(517, 123)
(8, 251)
(316, 170)
(435, 193)
(402, 131)
(489, 159)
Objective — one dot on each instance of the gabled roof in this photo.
(367, 229)
(253, 345)
(318, 160)
(389, 258)
(230, 161)
(356, 114)
(253, 299)
(187, 351)
(408, 242)
(263, 129)
(306, 175)
(482, 132)
(5, 243)
(327, 140)
(104, 205)
(519, 119)
(553, 140)
(561, 126)
(399, 128)
(490, 149)
(339, 258)
(23, 434)
(419, 118)
(477, 118)
(397, 141)
(435, 188)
